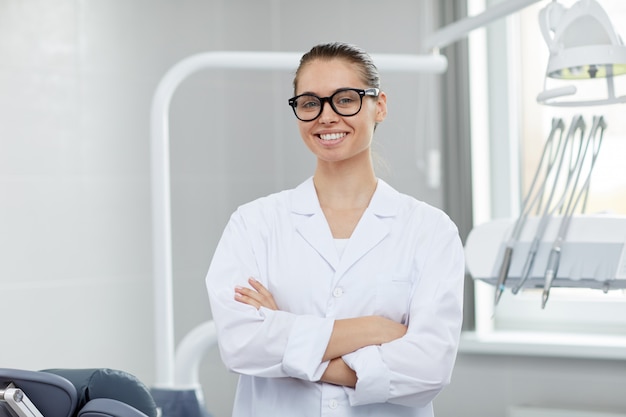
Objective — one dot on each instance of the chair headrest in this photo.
(108, 383)
(53, 395)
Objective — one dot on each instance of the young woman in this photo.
(341, 296)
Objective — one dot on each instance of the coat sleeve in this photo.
(412, 370)
(261, 342)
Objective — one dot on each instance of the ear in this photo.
(381, 107)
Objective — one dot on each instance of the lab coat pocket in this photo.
(392, 297)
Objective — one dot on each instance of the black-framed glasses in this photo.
(345, 102)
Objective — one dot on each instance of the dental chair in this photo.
(73, 393)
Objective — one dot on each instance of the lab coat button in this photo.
(333, 404)
(338, 292)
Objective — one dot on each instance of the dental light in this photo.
(582, 42)
(583, 45)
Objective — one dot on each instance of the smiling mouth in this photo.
(332, 136)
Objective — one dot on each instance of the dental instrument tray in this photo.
(593, 254)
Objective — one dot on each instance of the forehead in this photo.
(323, 76)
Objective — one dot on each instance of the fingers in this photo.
(247, 296)
(258, 296)
(259, 287)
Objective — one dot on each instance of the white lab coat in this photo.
(404, 261)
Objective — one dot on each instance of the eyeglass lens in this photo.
(343, 102)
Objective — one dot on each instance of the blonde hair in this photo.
(348, 52)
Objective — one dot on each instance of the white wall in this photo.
(74, 215)
(76, 81)
(487, 385)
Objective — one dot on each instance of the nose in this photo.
(327, 115)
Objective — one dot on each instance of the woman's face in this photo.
(331, 137)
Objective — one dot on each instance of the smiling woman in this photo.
(356, 106)
(341, 292)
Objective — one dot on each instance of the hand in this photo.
(355, 333)
(257, 297)
(388, 330)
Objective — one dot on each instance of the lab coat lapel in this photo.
(372, 227)
(311, 223)
(316, 232)
(370, 231)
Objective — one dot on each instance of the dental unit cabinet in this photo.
(593, 256)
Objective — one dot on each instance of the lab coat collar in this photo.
(370, 231)
(384, 202)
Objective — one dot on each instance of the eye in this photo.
(346, 98)
(308, 103)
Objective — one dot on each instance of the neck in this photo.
(344, 186)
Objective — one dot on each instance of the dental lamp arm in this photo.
(459, 29)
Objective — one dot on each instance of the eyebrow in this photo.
(340, 88)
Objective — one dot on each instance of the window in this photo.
(507, 67)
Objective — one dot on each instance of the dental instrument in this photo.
(578, 124)
(555, 253)
(548, 155)
(593, 256)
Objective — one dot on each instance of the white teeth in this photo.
(332, 136)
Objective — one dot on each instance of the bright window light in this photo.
(579, 311)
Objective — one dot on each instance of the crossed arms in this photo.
(347, 336)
